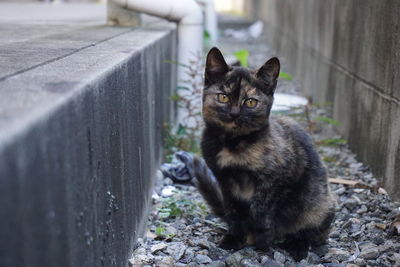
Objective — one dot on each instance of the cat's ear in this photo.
(216, 67)
(270, 70)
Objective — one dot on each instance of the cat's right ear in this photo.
(270, 70)
(216, 67)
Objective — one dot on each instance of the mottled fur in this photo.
(271, 183)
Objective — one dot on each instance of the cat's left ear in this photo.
(270, 70)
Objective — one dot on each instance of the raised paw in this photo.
(231, 242)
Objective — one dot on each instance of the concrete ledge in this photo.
(346, 52)
(81, 118)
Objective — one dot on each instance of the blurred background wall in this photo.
(346, 52)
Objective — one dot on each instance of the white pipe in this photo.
(189, 16)
(210, 20)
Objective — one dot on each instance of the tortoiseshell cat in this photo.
(271, 184)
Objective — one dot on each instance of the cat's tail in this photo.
(208, 186)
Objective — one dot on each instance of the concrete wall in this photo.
(347, 52)
(80, 140)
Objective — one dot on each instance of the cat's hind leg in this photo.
(319, 235)
(297, 245)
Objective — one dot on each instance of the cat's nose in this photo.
(234, 112)
(234, 115)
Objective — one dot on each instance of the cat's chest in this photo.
(245, 156)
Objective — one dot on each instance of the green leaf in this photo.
(164, 214)
(206, 35)
(327, 120)
(160, 231)
(182, 88)
(329, 159)
(175, 97)
(181, 130)
(242, 56)
(285, 75)
(332, 142)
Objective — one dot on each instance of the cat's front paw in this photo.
(298, 253)
(263, 241)
(231, 242)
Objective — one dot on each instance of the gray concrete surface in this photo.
(82, 108)
(347, 52)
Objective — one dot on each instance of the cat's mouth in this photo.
(232, 125)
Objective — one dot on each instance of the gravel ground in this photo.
(182, 232)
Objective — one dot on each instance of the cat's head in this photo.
(236, 99)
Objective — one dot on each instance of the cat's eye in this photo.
(251, 102)
(222, 98)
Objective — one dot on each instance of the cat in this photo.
(270, 183)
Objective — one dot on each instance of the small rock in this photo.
(382, 191)
(217, 253)
(249, 263)
(171, 230)
(217, 264)
(387, 246)
(339, 191)
(234, 259)
(155, 196)
(350, 203)
(157, 247)
(140, 260)
(188, 256)
(248, 252)
(362, 210)
(279, 257)
(313, 258)
(369, 251)
(334, 264)
(378, 240)
(196, 220)
(167, 181)
(381, 226)
(168, 191)
(268, 262)
(176, 250)
(396, 258)
(150, 235)
(334, 234)
(202, 259)
(321, 250)
(358, 190)
(356, 166)
(181, 226)
(203, 243)
(140, 251)
(360, 262)
(337, 254)
(165, 261)
(303, 263)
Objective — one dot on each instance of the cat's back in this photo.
(295, 136)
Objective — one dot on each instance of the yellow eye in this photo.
(223, 98)
(251, 102)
